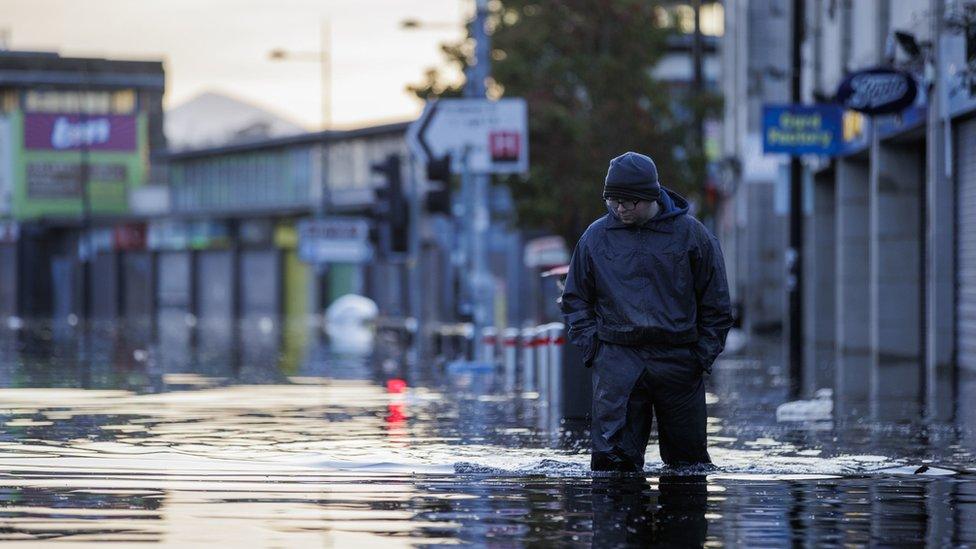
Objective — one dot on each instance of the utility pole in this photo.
(324, 58)
(414, 262)
(477, 216)
(939, 382)
(85, 243)
(794, 254)
(698, 94)
(325, 72)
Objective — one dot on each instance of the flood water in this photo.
(187, 438)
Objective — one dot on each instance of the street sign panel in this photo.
(480, 135)
(334, 240)
(546, 251)
(802, 129)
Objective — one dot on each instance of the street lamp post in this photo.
(479, 218)
(324, 58)
(476, 217)
(414, 24)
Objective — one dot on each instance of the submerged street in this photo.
(330, 274)
(285, 446)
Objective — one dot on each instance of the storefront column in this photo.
(852, 341)
(819, 306)
(897, 181)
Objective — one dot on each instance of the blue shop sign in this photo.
(802, 129)
(880, 90)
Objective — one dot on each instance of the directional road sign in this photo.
(334, 240)
(481, 136)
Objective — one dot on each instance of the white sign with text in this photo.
(481, 136)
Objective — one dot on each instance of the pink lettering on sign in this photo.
(74, 132)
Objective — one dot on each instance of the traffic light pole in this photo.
(414, 262)
(477, 214)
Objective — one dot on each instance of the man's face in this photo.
(632, 212)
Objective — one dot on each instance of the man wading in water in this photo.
(647, 303)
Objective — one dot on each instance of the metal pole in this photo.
(939, 382)
(698, 88)
(794, 259)
(86, 240)
(477, 214)
(325, 54)
(414, 264)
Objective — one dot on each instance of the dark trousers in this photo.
(668, 385)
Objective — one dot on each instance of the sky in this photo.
(223, 46)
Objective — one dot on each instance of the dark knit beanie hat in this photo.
(632, 175)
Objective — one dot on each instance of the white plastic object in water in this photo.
(351, 309)
(349, 323)
(820, 408)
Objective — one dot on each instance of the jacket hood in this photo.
(673, 205)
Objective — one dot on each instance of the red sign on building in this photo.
(504, 146)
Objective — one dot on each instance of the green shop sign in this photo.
(58, 157)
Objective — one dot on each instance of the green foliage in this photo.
(584, 67)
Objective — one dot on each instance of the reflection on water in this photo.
(268, 438)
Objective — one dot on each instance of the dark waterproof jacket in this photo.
(662, 283)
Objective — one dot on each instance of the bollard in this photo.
(556, 342)
(541, 344)
(436, 343)
(528, 358)
(467, 340)
(489, 340)
(510, 338)
(456, 336)
(447, 343)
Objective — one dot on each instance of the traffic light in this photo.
(390, 209)
(439, 195)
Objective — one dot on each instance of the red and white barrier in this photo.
(510, 338)
(556, 342)
(527, 350)
(489, 342)
(541, 346)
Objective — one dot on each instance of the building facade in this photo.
(252, 198)
(755, 66)
(76, 138)
(888, 299)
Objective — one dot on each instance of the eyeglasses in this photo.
(627, 205)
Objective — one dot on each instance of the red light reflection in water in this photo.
(396, 410)
(396, 385)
